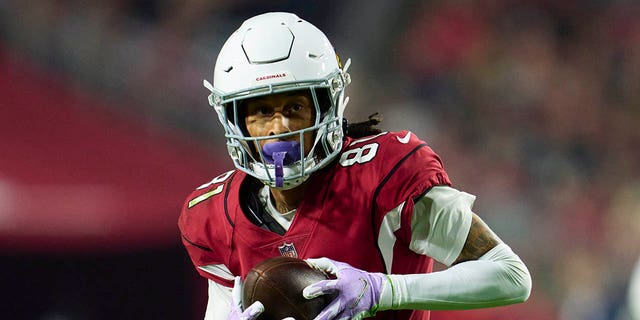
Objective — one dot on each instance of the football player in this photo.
(375, 209)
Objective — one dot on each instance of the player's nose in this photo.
(279, 124)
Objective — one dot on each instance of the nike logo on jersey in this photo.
(405, 139)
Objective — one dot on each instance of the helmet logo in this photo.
(271, 76)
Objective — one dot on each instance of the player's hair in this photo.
(363, 128)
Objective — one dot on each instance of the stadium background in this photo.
(533, 105)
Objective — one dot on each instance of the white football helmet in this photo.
(272, 53)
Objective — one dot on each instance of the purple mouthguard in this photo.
(281, 153)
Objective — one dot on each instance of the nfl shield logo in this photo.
(288, 250)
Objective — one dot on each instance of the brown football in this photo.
(278, 283)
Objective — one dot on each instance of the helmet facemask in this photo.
(283, 164)
(270, 54)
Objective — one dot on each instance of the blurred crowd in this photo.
(534, 105)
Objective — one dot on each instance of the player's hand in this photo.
(236, 312)
(357, 291)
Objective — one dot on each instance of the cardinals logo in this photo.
(288, 250)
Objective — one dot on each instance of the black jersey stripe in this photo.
(226, 196)
(379, 188)
(195, 244)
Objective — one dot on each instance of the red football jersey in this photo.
(340, 217)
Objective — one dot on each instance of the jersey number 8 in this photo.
(359, 155)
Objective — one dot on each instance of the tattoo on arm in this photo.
(480, 240)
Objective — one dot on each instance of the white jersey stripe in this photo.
(387, 237)
(219, 270)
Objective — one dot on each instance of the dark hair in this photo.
(364, 128)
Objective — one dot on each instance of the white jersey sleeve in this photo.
(440, 223)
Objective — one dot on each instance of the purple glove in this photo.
(236, 313)
(358, 291)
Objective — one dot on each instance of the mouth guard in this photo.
(279, 154)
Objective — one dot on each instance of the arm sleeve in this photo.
(498, 278)
(439, 227)
(219, 301)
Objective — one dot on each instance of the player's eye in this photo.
(296, 108)
(263, 111)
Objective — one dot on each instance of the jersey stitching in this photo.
(379, 188)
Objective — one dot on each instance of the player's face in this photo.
(280, 113)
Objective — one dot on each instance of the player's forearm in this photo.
(497, 278)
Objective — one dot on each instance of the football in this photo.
(278, 283)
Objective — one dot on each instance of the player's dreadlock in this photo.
(364, 128)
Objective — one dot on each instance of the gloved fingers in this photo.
(319, 288)
(253, 311)
(331, 311)
(323, 264)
